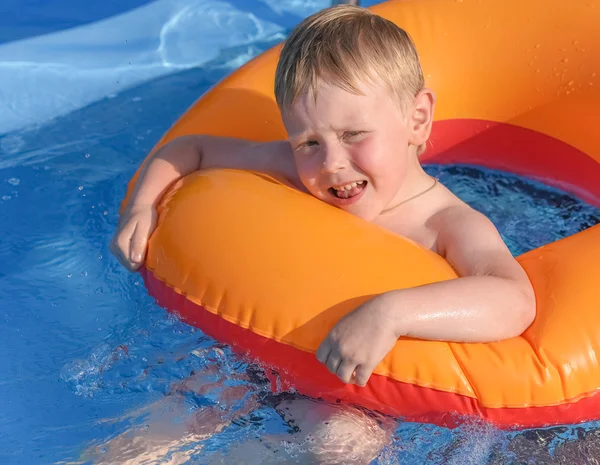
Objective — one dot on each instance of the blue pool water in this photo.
(84, 347)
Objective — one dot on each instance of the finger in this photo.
(138, 244)
(122, 248)
(345, 371)
(333, 362)
(323, 351)
(362, 375)
(117, 250)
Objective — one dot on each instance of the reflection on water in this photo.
(117, 53)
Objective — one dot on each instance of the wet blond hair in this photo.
(344, 46)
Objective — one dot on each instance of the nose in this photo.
(334, 159)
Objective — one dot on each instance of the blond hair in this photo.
(344, 46)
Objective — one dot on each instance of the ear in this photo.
(421, 118)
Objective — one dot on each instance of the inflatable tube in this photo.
(518, 87)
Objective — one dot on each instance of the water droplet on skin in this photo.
(538, 45)
(575, 42)
(565, 60)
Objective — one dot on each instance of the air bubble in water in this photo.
(75, 371)
(14, 181)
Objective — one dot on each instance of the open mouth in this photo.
(348, 191)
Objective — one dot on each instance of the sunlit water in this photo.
(85, 349)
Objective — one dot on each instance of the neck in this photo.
(416, 182)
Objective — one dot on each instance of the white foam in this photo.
(47, 76)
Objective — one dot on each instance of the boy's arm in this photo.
(492, 300)
(188, 154)
(177, 159)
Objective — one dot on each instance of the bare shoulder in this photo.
(457, 222)
(472, 244)
(470, 241)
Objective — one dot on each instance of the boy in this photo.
(351, 93)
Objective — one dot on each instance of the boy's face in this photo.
(352, 151)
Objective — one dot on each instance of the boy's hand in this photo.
(358, 342)
(131, 237)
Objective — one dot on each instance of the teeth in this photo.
(347, 187)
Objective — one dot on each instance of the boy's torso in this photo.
(422, 219)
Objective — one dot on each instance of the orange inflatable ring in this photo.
(518, 85)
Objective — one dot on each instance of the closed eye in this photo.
(353, 135)
(308, 143)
